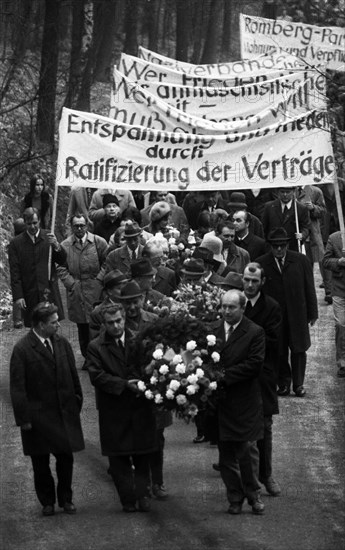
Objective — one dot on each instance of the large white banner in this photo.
(96, 151)
(311, 44)
(216, 110)
(240, 72)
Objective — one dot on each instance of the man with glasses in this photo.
(86, 255)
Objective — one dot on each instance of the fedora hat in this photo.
(159, 210)
(131, 290)
(141, 267)
(213, 244)
(237, 200)
(132, 229)
(278, 235)
(109, 199)
(194, 267)
(114, 278)
(232, 280)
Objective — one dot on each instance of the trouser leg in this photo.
(84, 337)
(43, 479)
(265, 449)
(199, 422)
(249, 467)
(141, 475)
(120, 468)
(239, 467)
(339, 317)
(284, 369)
(64, 472)
(156, 460)
(298, 366)
(326, 275)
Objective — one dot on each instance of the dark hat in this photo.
(232, 280)
(194, 267)
(132, 229)
(109, 199)
(141, 267)
(237, 200)
(278, 235)
(159, 210)
(114, 278)
(206, 255)
(131, 290)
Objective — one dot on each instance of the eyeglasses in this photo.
(79, 226)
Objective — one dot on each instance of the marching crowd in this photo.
(124, 258)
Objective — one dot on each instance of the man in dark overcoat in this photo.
(265, 312)
(28, 255)
(126, 419)
(240, 413)
(290, 281)
(47, 398)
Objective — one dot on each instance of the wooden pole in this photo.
(52, 231)
(297, 223)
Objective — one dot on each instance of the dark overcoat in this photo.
(46, 392)
(240, 413)
(254, 245)
(294, 290)
(165, 280)
(266, 313)
(29, 272)
(273, 217)
(126, 422)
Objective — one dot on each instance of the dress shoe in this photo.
(341, 372)
(283, 391)
(257, 505)
(48, 510)
(84, 367)
(159, 492)
(322, 285)
(199, 439)
(216, 466)
(129, 508)
(300, 391)
(271, 486)
(69, 508)
(235, 508)
(328, 299)
(144, 504)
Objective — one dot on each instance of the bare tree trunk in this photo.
(226, 33)
(76, 61)
(183, 29)
(108, 28)
(153, 12)
(48, 73)
(210, 53)
(197, 24)
(131, 27)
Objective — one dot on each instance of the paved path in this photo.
(309, 463)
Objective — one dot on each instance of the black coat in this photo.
(29, 272)
(165, 280)
(46, 392)
(294, 290)
(127, 423)
(240, 413)
(266, 313)
(273, 217)
(254, 245)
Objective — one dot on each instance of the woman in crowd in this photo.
(39, 198)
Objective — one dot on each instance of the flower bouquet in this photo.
(182, 382)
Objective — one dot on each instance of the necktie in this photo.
(229, 332)
(48, 346)
(120, 344)
(285, 211)
(249, 306)
(81, 242)
(281, 265)
(134, 256)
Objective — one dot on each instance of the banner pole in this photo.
(52, 231)
(297, 222)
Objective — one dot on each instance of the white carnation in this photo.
(197, 361)
(176, 360)
(180, 368)
(215, 357)
(191, 345)
(149, 394)
(170, 394)
(174, 385)
(213, 385)
(164, 369)
(172, 240)
(181, 399)
(199, 373)
(192, 389)
(158, 398)
(211, 340)
(141, 385)
(157, 354)
(192, 378)
(153, 380)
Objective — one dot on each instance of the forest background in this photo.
(56, 53)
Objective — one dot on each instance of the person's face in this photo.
(157, 257)
(279, 250)
(240, 223)
(146, 282)
(33, 225)
(133, 242)
(161, 196)
(232, 311)
(114, 324)
(112, 211)
(252, 283)
(79, 227)
(227, 236)
(285, 195)
(50, 327)
(39, 185)
(115, 292)
(163, 223)
(133, 307)
(211, 199)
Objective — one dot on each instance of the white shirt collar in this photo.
(42, 339)
(283, 204)
(255, 299)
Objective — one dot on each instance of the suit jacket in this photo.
(45, 391)
(240, 412)
(29, 272)
(127, 423)
(120, 259)
(330, 261)
(236, 260)
(165, 280)
(254, 245)
(266, 313)
(294, 290)
(273, 217)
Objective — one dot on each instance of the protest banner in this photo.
(96, 151)
(241, 108)
(237, 73)
(311, 44)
